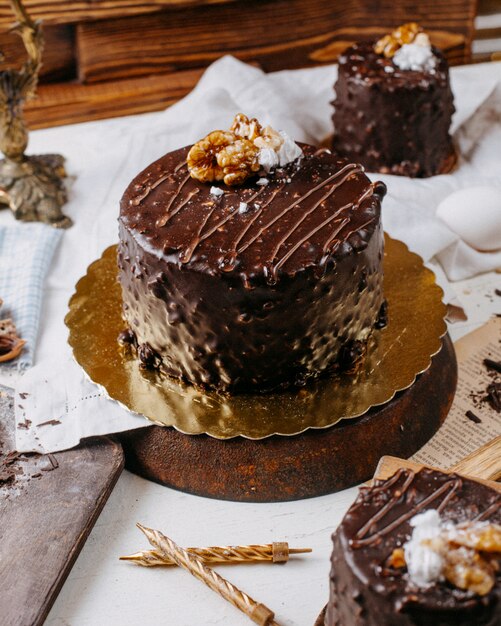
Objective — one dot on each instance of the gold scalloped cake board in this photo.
(397, 354)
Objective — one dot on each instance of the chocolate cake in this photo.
(393, 106)
(264, 274)
(418, 549)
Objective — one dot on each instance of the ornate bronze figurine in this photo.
(31, 186)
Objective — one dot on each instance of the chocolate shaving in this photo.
(493, 365)
(474, 418)
(7, 476)
(494, 396)
(53, 461)
(49, 423)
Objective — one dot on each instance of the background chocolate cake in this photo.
(394, 119)
(370, 587)
(256, 286)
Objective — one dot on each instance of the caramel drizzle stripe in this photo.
(388, 506)
(390, 481)
(488, 512)
(443, 504)
(309, 212)
(199, 238)
(178, 208)
(342, 223)
(138, 199)
(255, 217)
(227, 217)
(288, 208)
(295, 247)
(163, 220)
(180, 165)
(363, 197)
(186, 255)
(452, 485)
(330, 243)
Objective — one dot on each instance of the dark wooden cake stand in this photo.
(313, 463)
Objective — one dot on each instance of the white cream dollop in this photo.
(415, 56)
(268, 159)
(289, 150)
(424, 565)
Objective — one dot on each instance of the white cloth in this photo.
(104, 156)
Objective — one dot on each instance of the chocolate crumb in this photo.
(127, 338)
(497, 292)
(24, 395)
(351, 356)
(474, 418)
(382, 318)
(494, 396)
(148, 357)
(493, 365)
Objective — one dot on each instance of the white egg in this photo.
(474, 213)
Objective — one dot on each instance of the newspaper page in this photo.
(475, 415)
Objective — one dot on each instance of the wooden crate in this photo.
(113, 57)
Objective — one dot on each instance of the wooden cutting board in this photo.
(48, 505)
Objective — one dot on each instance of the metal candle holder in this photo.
(32, 186)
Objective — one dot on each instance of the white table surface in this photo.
(102, 591)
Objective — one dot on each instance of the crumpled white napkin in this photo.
(106, 155)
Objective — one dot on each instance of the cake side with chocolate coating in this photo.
(368, 586)
(393, 120)
(253, 287)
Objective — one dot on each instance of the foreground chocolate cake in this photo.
(393, 106)
(264, 279)
(418, 549)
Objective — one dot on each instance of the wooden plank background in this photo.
(75, 11)
(101, 55)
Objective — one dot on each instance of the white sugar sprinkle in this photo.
(262, 181)
(242, 207)
(216, 191)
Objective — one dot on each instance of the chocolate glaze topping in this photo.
(391, 120)
(299, 220)
(365, 590)
(209, 281)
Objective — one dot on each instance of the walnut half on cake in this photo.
(249, 262)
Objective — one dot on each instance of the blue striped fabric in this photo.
(26, 252)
